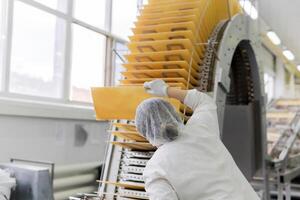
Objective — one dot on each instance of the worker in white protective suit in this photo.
(191, 162)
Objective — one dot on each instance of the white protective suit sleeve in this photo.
(204, 113)
(158, 187)
(199, 101)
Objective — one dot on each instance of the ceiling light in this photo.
(288, 54)
(298, 67)
(273, 37)
(249, 8)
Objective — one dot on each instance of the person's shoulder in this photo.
(168, 150)
(156, 162)
(161, 154)
(158, 155)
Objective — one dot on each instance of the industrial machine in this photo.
(33, 183)
(40, 180)
(202, 44)
(283, 119)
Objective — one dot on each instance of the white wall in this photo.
(279, 79)
(297, 91)
(290, 88)
(282, 89)
(52, 139)
(266, 63)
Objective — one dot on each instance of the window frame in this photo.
(34, 106)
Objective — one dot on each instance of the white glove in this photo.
(157, 87)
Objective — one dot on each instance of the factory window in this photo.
(60, 5)
(53, 51)
(91, 12)
(2, 36)
(124, 15)
(119, 51)
(88, 56)
(37, 60)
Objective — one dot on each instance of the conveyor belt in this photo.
(241, 88)
(283, 131)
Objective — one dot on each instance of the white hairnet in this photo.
(157, 120)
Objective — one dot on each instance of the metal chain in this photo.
(194, 48)
(207, 65)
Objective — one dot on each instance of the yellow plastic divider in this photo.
(174, 2)
(187, 34)
(125, 127)
(142, 80)
(175, 55)
(154, 2)
(159, 8)
(137, 186)
(120, 102)
(167, 20)
(206, 22)
(221, 7)
(183, 26)
(164, 45)
(135, 145)
(177, 85)
(130, 135)
(177, 13)
(161, 73)
(161, 65)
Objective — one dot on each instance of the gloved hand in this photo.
(156, 87)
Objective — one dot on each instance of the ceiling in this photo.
(283, 17)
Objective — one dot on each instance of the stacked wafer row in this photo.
(169, 43)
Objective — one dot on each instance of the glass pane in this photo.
(60, 5)
(37, 52)
(123, 15)
(3, 18)
(90, 11)
(88, 58)
(119, 51)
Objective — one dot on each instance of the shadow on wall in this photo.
(81, 135)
